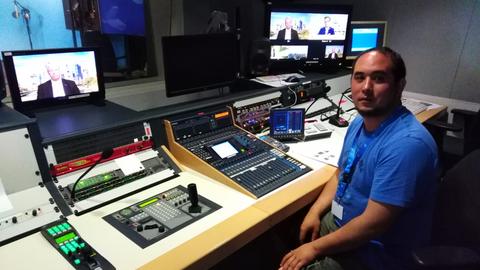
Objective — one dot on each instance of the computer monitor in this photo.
(307, 35)
(195, 63)
(286, 124)
(50, 77)
(365, 35)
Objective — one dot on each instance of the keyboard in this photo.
(414, 106)
(279, 77)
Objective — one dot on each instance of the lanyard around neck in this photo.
(357, 151)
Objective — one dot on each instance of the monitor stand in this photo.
(64, 121)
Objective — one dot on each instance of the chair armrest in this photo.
(463, 112)
(446, 257)
(443, 125)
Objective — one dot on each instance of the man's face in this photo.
(326, 21)
(288, 23)
(374, 90)
(54, 73)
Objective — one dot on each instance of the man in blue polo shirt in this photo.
(379, 208)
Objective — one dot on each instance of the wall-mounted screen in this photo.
(311, 34)
(365, 35)
(124, 17)
(42, 78)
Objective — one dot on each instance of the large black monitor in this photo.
(307, 35)
(196, 63)
(365, 35)
(50, 77)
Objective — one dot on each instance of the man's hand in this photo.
(310, 228)
(299, 257)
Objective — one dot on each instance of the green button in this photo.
(56, 229)
(82, 245)
(61, 227)
(64, 249)
(69, 246)
(77, 261)
(51, 232)
(67, 226)
(75, 244)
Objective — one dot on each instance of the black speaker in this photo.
(260, 57)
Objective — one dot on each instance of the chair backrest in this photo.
(456, 218)
(472, 134)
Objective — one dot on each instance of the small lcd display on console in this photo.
(225, 149)
(287, 123)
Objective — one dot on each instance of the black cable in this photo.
(105, 154)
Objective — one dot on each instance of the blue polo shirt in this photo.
(399, 168)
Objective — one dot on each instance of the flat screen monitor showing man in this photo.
(195, 63)
(43, 78)
(311, 34)
(365, 35)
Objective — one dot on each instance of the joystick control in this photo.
(193, 195)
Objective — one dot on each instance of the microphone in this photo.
(15, 13)
(336, 120)
(106, 153)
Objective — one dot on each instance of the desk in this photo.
(197, 246)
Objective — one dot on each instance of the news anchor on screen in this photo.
(326, 30)
(287, 33)
(56, 86)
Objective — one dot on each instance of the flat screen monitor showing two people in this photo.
(39, 78)
(195, 63)
(365, 35)
(312, 33)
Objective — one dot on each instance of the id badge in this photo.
(337, 210)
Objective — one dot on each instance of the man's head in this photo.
(53, 71)
(378, 80)
(327, 20)
(288, 23)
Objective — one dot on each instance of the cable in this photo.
(309, 106)
(295, 94)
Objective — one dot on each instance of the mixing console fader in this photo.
(157, 217)
(211, 143)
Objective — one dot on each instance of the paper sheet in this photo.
(129, 164)
(5, 203)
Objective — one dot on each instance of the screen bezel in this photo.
(381, 37)
(289, 135)
(3, 83)
(29, 106)
(169, 61)
(306, 8)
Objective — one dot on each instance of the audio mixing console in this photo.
(210, 143)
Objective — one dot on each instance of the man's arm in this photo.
(310, 228)
(375, 220)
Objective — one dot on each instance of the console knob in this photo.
(193, 195)
(14, 219)
(34, 212)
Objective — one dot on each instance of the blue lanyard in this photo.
(357, 151)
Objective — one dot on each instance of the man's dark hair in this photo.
(398, 66)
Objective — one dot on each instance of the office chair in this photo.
(456, 220)
(465, 120)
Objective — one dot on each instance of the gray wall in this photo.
(439, 39)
